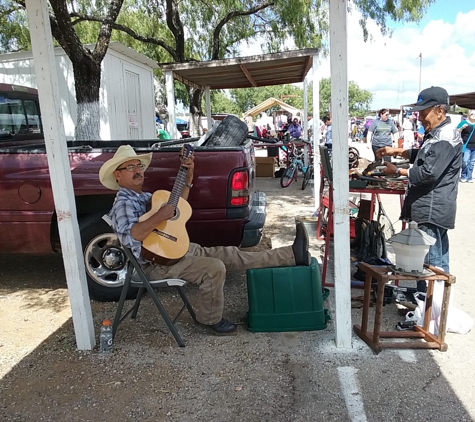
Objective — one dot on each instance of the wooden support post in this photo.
(60, 171)
(341, 230)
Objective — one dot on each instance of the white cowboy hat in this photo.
(124, 153)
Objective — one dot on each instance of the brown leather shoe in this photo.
(300, 245)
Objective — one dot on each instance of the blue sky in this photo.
(447, 10)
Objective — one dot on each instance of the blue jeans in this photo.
(468, 163)
(438, 255)
(375, 149)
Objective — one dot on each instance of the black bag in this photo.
(370, 243)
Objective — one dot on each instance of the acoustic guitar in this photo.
(169, 240)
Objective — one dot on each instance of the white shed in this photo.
(127, 94)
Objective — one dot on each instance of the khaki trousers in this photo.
(207, 267)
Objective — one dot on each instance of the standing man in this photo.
(433, 179)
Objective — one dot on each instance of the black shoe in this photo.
(300, 245)
(221, 328)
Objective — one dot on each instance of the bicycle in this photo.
(296, 164)
(310, 169)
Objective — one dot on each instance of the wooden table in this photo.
(385, 274)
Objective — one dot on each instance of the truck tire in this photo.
(229, 133)
(105, 261)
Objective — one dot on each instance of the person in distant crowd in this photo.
(467, 128)
(420, 134)
(328, 133)
(206, 267)
(286, 125)
(431, 198)
(382, 132)
(408, 133)
(310, 126)
(295, 129)
(400, 134)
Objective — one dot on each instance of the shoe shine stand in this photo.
(419, 337)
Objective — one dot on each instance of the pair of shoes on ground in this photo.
(221, 328)
(300, 246)
(466, 181)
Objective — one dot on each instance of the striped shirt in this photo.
(128, 207)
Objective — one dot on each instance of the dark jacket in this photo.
(433, 179)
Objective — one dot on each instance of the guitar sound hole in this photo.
(176, 216)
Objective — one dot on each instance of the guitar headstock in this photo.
(186, 151)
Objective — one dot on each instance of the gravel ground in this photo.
(297, 376)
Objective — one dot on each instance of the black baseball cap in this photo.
(429, 97)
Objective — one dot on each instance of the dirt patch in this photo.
(147, 377)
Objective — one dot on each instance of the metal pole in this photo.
(420, 70)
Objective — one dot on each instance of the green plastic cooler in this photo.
(286, 299)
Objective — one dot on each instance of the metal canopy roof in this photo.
(245, 72)
(466, 100)
(463, 100)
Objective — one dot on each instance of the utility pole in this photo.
(420, 70)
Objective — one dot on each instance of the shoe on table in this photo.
(221, 328)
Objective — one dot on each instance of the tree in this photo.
(245, 99)
(187, 30)
(359, 100)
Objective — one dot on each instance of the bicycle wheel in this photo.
(386, 226)
(287, 176)
(308, 176)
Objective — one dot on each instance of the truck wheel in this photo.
(230, 132)
(105, 261)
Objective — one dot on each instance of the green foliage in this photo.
(383, 10)
(14, 35)
(214, 29)
(221, 103)
(245, 99)
(359, 100)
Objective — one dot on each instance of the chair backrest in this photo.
(326, 163)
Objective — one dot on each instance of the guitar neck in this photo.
(177, 187)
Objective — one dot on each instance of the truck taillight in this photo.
(240, 188)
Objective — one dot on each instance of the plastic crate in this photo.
(286, 299)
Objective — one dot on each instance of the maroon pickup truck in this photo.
(226, 209)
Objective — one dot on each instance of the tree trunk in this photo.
(87, 78)
(195, 96)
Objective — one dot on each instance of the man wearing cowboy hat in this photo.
(204, 266)
(433, 179)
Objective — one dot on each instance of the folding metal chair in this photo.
(136, 278)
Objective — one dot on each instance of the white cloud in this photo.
(389, 66)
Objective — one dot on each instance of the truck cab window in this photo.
(33, 116)
(19, 118)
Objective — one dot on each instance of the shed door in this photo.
(132, 91)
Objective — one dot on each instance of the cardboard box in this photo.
(286, 299)
(265, 166)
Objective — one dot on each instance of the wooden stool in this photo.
(382, 276)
